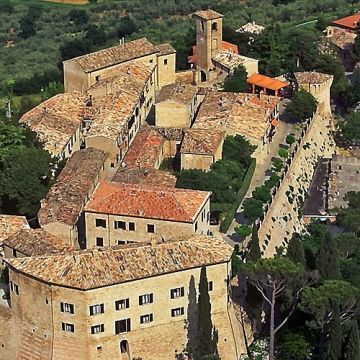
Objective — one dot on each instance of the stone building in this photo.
(344, 177)
(252, 116)
(201, 148)
(176, 106)
(33, 242)
(84, 71)
(58, 122)
(123, 302)
(120, 213)
(61, 210)
(212, 56)
(319, 85)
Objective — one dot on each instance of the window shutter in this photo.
(72, 309)
(182, 311)
(182, 291)
(171, 293)
(115, 224)
(140, 300)
(128, 325)
(91, 310)
(62, 307)
(151, 298)
(127, 303)
(102, 308)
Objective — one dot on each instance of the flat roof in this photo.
(67, 197)
(170, 204)
(91, 269)
(266, 82)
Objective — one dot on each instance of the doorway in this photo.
(124, 349)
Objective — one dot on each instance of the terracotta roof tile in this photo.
(312, 77)
(36, 242)
(267, 82)
(181, 93)
(201, 141)
(116, 55)
(66, 198)
(145, 176)
(10, 224)
(208, 14)
(244, 114)
(147, 202)
(145, 149)
(349, 22)
(56, 120)
(165, 49)
(93, 269)
(341, 38)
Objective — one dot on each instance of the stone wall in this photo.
(283, 215)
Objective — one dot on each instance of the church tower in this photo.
(208, 40)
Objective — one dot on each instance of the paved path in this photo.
(263, 165)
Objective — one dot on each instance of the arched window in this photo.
(214, 26)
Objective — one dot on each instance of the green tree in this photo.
(290, 139)
(52, 89)
(24, 180)
(237, 82)
(78, 16)
(303, 105)
(27, 26)
(328, 258)
(207, 334)
(126, 27)
(253, 209)
(254, 252)
(277, 165)
(239, 149)
(320, 301)
(262, 193)
(272, 277)
(243, 230)
(294, 346)
(295, 251)
(333, 341)
(352, 346)
(283, 153)
(11, 137)
(350, 129)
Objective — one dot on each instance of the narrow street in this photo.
(263, 166)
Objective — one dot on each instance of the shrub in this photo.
(243, 230)
(253, 209)
(290, 139)
(283, 153)
(277, 165)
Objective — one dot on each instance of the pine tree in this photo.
(254, 253)
(352, 347)
(207, 335)
(334, 338)
(295, 251)
(328, 259)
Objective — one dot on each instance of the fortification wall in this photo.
(283, 216)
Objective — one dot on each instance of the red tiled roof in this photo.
(349, 22)
(145, 149)
(147, 202)
(266, 82)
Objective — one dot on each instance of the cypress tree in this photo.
(352, 347)
(254, 253)
(334, 339)
(328, 259)
(295, 251)
(207, 336)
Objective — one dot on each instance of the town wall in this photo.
(283, 216)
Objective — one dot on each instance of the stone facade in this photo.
(37, 307)
(163, 229)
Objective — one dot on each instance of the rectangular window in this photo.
(145, 299)
(14, 252)
(150, 228)
(96, 309)
(196, 226)
(100, 223)
(165, 61)
(147, 318)
(99, 241)
(67, 327)
(121, 242)
(120, 225)
(14, 288)
(210, 286)
(177, 312)
(67, 308)
(122, 326)
(97, 78)
(97, 329)
(131, 226)
(177, 292)
(122, 304)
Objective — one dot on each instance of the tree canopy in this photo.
(237, 82)
(303, 105)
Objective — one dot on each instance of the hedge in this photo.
(230, 214)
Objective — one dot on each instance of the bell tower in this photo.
(208, 39)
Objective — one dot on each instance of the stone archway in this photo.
(124, 350)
